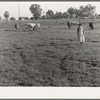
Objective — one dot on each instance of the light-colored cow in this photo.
(75, 23)
(37, 27)
(31, 25)
(34, 26)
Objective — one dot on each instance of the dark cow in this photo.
(69, 24)
(91, 25)
(16, 26)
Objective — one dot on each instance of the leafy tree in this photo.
(6, 15)
(36, 11)
(58, 15)
(26, 18)
(90, 9)
(71, 11)
(20, 18)
(87, 11)
(43, 17)
(12, 18)
(48, 16)
(77, 12)
(66, 15)
(32, 18)
(50, 13)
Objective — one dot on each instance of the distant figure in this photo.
(80, 34)
(91, 26)
(69, 24)
(16, 26)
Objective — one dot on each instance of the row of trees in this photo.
(82, 11)
(36, 10)
(7, 15)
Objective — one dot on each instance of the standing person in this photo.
(80, 34)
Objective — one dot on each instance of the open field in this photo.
(51, 57)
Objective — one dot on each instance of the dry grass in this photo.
(51, 57)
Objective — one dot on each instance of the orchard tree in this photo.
(12, 18)
(58, 15)
(43, 17)
(71, 11)
(48, 16)
(26, 18)
(6, 15)
(20, 18)
(32, 18)
(36, 11)
(90, 10)
(50, 13)
(78, 12)
(66, 15)
(87, 11)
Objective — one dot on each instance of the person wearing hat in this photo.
(80, 33)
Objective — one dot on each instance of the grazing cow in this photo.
(31, 25)
(74, 23)
(37, 27)
(80, 34)
(91, 25)
(34, 26)
(16, 26)
(69, 24)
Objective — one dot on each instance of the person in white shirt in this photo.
(80, 34)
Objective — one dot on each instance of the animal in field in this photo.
(80, 33)
(33, 26)
(37, 27)
(91, 25)
(74, 23)
(16, 26)
(69, 24)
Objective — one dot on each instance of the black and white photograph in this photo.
(50, 44)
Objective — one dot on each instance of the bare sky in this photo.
(12, 7)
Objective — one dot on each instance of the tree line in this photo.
(72, 12)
